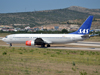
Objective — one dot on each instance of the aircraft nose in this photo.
(3, 39)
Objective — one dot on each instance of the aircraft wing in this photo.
(41, 41)
(46, 41)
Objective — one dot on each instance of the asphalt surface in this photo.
(75, 48)
(86, 43)
(91, 46)
(1, 38)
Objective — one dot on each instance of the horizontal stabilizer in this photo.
(94, 35)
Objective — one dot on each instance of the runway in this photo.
(88, 45)
(75, 48)
(1, 38)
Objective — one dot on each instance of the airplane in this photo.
(46, 39)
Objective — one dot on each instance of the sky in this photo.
(13, 6)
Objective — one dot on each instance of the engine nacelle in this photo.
(30, 43)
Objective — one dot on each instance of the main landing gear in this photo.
(40, 41)
(48, 45)
(43, 45)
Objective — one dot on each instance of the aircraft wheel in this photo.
(48, 45)
(43, 45)
(10, 44)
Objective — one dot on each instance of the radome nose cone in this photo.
(2, 39)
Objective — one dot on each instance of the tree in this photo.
(64, 31)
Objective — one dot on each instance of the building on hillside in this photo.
(6, 26)
(97, 30)
(61, 27)
(28, 27)
(8, 29)
(36, 29)
(74, 27)
(5, 29)
(56, 27)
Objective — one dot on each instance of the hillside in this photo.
(85, 10)
(47, 17)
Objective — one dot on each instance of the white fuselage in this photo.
(50, 38)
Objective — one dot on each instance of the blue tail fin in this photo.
(85, 27)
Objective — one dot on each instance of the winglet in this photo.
(85, 27)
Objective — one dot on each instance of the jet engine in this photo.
(30, 43)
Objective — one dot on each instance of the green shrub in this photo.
(31, 50)
(58, 53)
(73, 63)
(83, 73)
(53, 55)
(4, 53)
(20, 53)
(47, 52)
(73, 69)
(95, 71)
(44, 53)
(82, 53)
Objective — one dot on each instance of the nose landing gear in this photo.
(10, 44)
